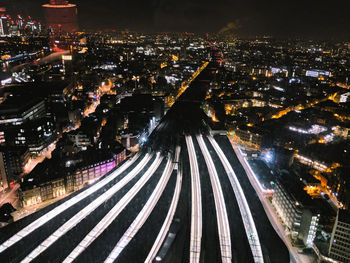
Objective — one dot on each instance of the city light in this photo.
(236, 142)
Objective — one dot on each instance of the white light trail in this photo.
(221, 212)
(77, 218)
(143, 215)
(167, 222)
(62, 207)
(196, 207)
(266, 204)
(114, 212)
(247, 217)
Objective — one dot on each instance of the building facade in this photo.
(60, 16)
(75, 180)
(301, 221)
(12, 161)
(340, 241)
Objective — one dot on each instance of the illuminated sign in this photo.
(67, 57)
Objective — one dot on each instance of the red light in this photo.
(59, 25)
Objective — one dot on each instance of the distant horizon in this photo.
(309, 20)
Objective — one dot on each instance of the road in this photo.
(58, 210)
(86, 211)
(114, 212)
(221, 213)
(267, 206)
(168, 220)
(9, 195)
(196, 204)
(143, 215)
(246, 214)
(268, 237)
(185, 197)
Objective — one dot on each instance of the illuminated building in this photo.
(43, 184)
(340, 241)
(249, 136)
(18, 26)
(2, 25)
(25, 122)
(300, 214)
(61, 16)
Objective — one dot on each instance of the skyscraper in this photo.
(61, 16)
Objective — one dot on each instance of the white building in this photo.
(339, 248)
(300, 220)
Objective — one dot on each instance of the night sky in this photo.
(306, 18)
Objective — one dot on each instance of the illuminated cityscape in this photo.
(138, 140)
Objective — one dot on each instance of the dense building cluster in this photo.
(88, 107)
(18, 25)
(285, 103)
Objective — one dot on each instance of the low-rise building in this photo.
(48, 181)
(249, 136)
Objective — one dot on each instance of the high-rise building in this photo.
(26, 122)
(4, 24)
(61, 16)
(340, 240)
(12, 162)
(301, 215)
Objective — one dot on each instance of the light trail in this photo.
(266, 205)
(114, 212)
(256, 181)
(167, 222)
(77, 218)
(62, 207)
(249, 225)
(196, 207)
(221, 212)
(143, 215)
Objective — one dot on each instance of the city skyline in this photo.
(311, 19)
(163, 131)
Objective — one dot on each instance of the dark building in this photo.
(25, 122)
(61, 21)
(60, 16)
(141, 111)
(12, 161)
